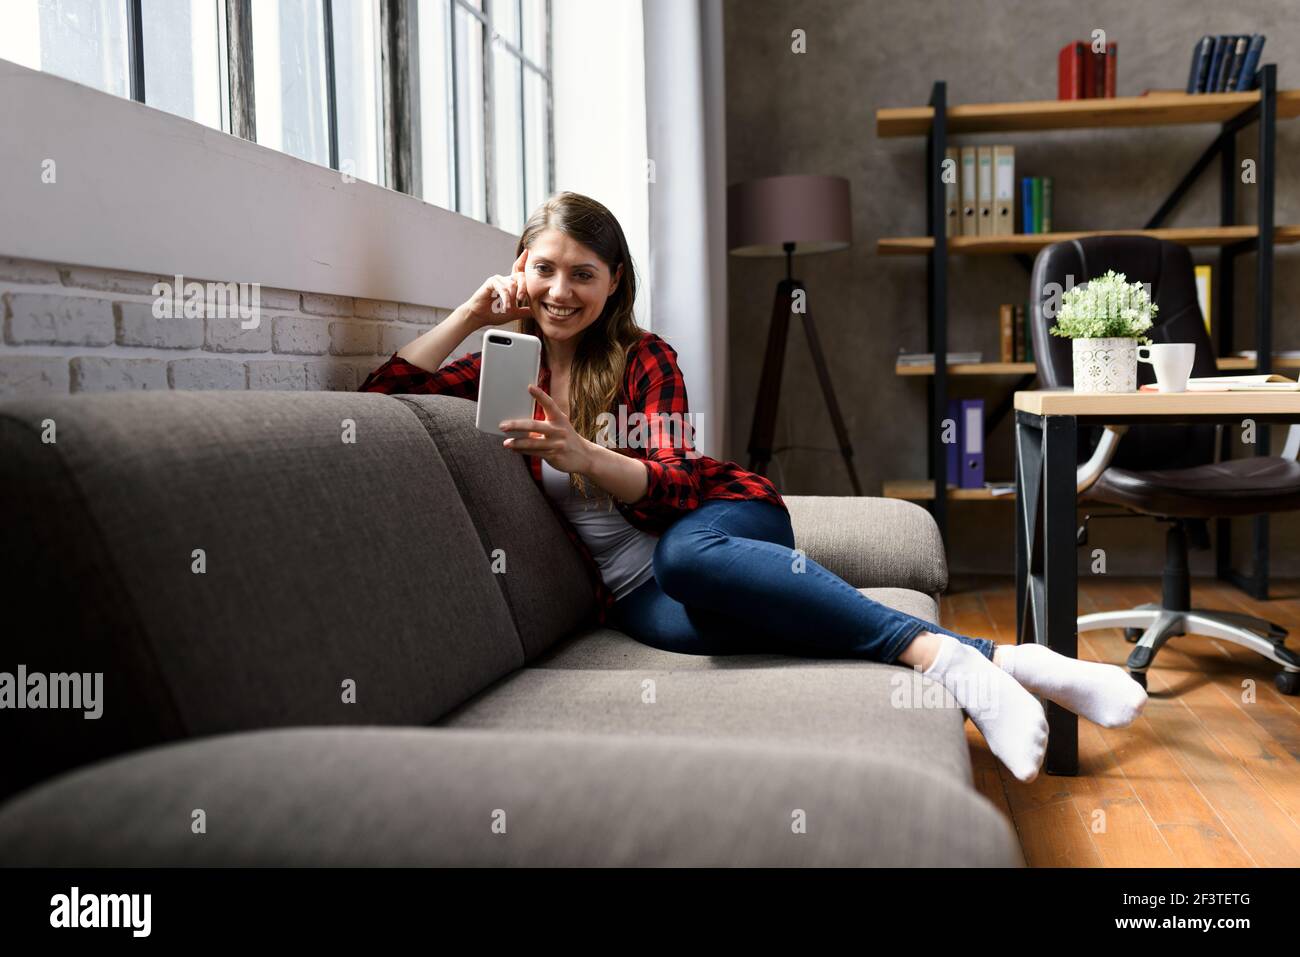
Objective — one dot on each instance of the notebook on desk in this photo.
(1271, 382)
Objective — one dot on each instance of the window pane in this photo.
(289, 78)
(537, 145)
(534, 30)
(505, 19)
(508, 143)
(468, 38)
(182, 58)
(435, 103)
(357, 86)
(82, 40)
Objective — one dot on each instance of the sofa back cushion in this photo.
(231, 561)
(544, 580)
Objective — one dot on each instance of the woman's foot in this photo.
(1104, 694)
(1010, 718)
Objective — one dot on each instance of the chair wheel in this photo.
(1139, 676)
(1131, 635)
(1288, 682)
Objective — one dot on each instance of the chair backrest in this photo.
(1167, 267)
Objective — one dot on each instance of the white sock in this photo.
(1010, 718)
(1104, 694)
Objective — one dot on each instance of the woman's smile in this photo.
(560, 312)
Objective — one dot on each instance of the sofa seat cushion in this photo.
(427, 797)
(857, 707)
(596, 647)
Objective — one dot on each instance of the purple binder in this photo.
(972, 444)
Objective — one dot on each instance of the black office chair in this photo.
(1170, 472)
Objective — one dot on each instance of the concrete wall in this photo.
(815, 113)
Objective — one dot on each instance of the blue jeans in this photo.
(728, 581)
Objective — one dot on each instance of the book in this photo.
(1110, 71)
(1094, 74)
(1201, 55)
(1216, 58)
(1047, 221)
(1270, 382)
(1027, 205)
(1249, 78)
(1038, 204)
(1234, 67)
(927, 358)
(1069, 71)
(1007, 332)
(1023, 316)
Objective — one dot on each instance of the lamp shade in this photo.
(810, 211)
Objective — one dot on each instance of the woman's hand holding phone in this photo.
(500, 299)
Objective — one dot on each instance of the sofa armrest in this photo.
(871, 542)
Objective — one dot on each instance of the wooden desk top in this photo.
(1067, 402)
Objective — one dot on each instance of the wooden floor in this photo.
(1208, 776)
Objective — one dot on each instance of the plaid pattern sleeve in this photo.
(679, 478)
(458, 379)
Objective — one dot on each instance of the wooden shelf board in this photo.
(1228, 363)
(1155, 109)
(922, 489)
(1032, 242)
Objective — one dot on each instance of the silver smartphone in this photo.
(509, 364)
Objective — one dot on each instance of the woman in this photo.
(687, 553)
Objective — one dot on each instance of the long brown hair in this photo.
(600, 360)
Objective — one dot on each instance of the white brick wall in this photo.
(66, 328)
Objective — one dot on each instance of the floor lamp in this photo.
(788, 216)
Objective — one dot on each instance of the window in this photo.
(451, 99)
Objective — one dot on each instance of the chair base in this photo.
(1159, 624)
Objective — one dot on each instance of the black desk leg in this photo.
(1062, 586)
(1046, 578)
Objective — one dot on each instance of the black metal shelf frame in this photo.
(1224, 147)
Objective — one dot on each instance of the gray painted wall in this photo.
(815, 113)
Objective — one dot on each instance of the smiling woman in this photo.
(688, 553)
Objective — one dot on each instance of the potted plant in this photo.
(1106, 319)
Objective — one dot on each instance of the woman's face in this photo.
(567, 284)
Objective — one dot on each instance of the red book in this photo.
(1112, 54)
(1094, 73)
(1070, 71)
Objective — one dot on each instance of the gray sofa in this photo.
(308, 658)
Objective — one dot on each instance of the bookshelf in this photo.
(1231, 112)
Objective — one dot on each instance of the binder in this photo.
(1110, 73)
(984, 204)
(972, 444)
(1004, 190)
(952, 450)
(969, 224)
(1069, 71)
(952, 194)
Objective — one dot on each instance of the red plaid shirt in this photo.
(652, 385)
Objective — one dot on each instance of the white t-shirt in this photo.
(623, 553)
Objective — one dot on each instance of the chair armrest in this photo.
(871, 542)
(1091, 470)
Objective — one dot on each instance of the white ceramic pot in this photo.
(1105, 365)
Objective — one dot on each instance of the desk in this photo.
(1047, 598)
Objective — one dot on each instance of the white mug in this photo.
(1172, 362)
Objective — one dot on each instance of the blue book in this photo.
(1247, 79)
(972, 444)
(1216, 58)
(1027, 205)
(1200, 64)
(1234, 68)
